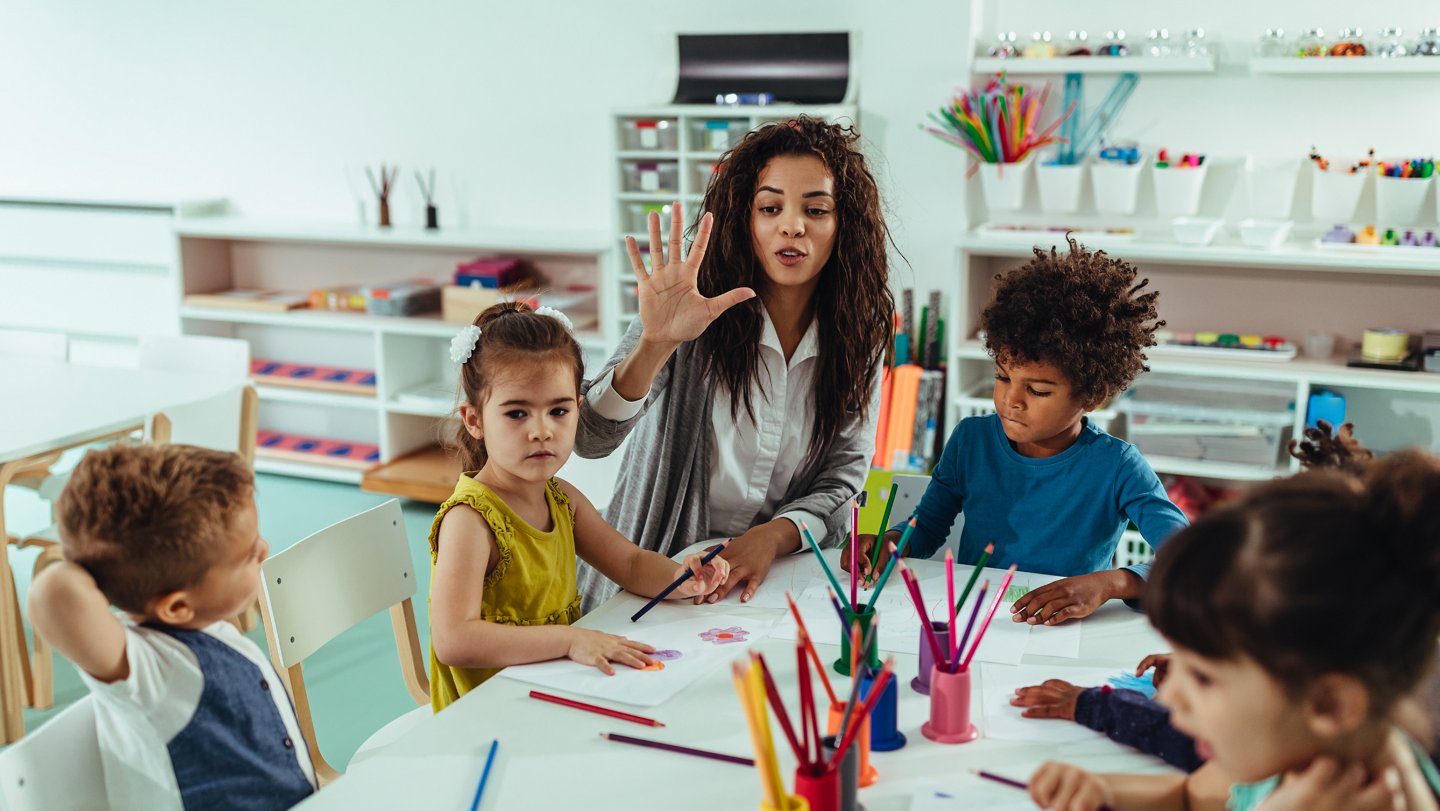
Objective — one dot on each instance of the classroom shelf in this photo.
(283, 467)
(647, 154)
(1096, 65)
(428, 474)
(435, 410)
(1345, 66)
(292, 394)
(500, 240)
(1215, 470)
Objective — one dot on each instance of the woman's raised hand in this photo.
(672, 309)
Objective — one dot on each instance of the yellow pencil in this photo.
(742, 689)
(772, 764)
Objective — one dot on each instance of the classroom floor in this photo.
(354, 682)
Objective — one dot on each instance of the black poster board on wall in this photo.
(802, 68)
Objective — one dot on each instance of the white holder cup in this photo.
(1336, 194)
(1270, 187)
(1178, 189)
(1060, 187)
(1398, 200)
(1004, 184)
(1116, 186)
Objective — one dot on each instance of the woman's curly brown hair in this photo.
(853, 306)
(1082, 311)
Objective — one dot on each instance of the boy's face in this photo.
(1239, 715)
(528, 423)
(1037, 407)
(230, 585)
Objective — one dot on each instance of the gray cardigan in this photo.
(661, 500)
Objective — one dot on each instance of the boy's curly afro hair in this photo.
(1082, 312)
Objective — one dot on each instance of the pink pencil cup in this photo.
(821, 789)
(868, 774)
(921, 683)
(949, 708)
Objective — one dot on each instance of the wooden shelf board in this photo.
(425, 475)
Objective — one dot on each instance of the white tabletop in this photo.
(47, 404)
(438, 763)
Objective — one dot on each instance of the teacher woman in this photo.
(751, 379)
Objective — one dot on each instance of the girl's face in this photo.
(792, 220)
(528, 422)
(1239, 715)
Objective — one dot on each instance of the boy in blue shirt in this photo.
(1051, 490)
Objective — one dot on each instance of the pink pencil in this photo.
(914, 586)
(949, 601)
(974, 612)
(980, 634)
(854, 553)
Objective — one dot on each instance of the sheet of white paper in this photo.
(688, 649)
(389, 782)
(969, 794)
(998, 684)
(530, 782)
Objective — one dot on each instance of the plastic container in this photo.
(1195, 230)
(885, 734)
(1243, 422)
(403, 298)
(1060, 186)
(849, 773)
(866, 615)
(716, 134)
(820, 790)
(657, 134)
(950, 707)
(637, 216)
(1319, 344)
(1004, 184)
(1270, 187)
(1178, 189)
(654, 177)
(704, 171)
(1116, 186)
(867, 772)
(1336, 193)
(921, 682)
(1398, 200)
(792, 802)
(1267, 234)
(1273, 43)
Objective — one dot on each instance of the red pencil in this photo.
(580, 705)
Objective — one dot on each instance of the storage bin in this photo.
(1336, 194)
(629, 299)
(403, 298)
(1004, 184)
(637, 217)
(656, 177)
(716, 134)
(1060, 187)
(1270, 187)
(460, 305)
(1116, 185)
(704, 171)
(657, 134)
(1178, 189)
(1243, 422)
(1398, 200)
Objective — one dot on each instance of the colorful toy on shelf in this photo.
(1351, 43)
(305, 376)
(336, 453)
(1077, 44)
(1341, 236)
(999, 124)
(1006, 48)
(1114, 44)
(1041, 46)
(1230, 345)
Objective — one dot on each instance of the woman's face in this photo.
(792, 221)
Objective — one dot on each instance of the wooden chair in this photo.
(57, 767)
(330, 582)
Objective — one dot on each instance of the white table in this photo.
(48, 406)
(440, 760)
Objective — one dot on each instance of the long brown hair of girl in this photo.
(853, 305)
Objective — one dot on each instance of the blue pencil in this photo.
(654, 601)
(485, 775)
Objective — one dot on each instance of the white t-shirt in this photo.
(137, 717)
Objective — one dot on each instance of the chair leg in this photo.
(42, 662)
(27, 680)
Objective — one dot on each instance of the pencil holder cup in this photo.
(820, 789)
(791, 802)
(1335, 194)
(1004, 184)
(1398, 200)
(885, 734)
(950, 708)
(1270, 187)
(866, 615)
(1116, 186)
(849, 773)
(1177, 189)
(921, 683)
(867, 775)
(1060, 187)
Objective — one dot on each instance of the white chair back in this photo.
(211, 422)
(334, 579)
(57, 767)
(908, 490)
(196, 353)
(34, 344)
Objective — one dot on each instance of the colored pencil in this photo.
(810, 648)
(774, 695)
(884, 528)
(1023, 786)
(969, 584)
(854, 553)
(819, 556)
(914, 586)
(896, 553)
(849, 732)
(689, 573)
(949, 600)
(485, 775)
(980, 634)
(974, 612)
(580, 705)
(772, 763)
(672, 747)
(770, 782)
(854, 678)
(839, 610)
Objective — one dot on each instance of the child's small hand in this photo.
(1070, 598)
(1053, 699)
(867, 550)
(1325, 785)
(599, 649)
(1159, 661)
(1062, 787)
(707, 578)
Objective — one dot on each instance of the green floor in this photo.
(354, 682)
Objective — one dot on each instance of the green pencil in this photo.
(890, 567)
(884, 527)
(815, 547)
(984, 557)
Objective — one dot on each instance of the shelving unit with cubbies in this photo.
(667, 154)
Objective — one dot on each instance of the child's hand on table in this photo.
(1053, 699)
(1070, 598)
(599, 649)
(867, 548)
(1062, 787)
(707, 577)
(1159, 661)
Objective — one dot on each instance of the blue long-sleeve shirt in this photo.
(1133, 719)
(1062, 515)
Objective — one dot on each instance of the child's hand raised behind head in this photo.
(1063, 787)
(707, 577)
(1325, 785)
(599, 649)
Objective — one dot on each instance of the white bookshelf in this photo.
(1345, 66)
(1097, 65)
(405, 352)
(684, 141)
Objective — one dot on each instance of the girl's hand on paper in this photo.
(1062, 787)
(1053, 699)
(1070, 598)
(1325, 785)
(599, 649)
(1159, 661)
(672, 308)
(707, 577)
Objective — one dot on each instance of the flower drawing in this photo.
(725, 636)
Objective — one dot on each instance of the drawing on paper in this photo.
(725, 636)
(665, 655)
